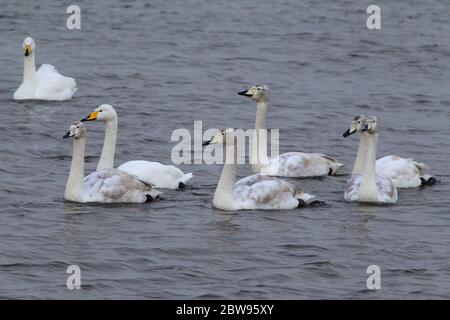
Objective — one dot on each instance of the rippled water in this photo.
(164, 64)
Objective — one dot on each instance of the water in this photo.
(163, 65)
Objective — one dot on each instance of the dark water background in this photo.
(164, 64)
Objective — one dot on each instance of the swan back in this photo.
(264, 192)
(112, 185)
(386, 192)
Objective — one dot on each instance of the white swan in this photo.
(46, 83)
(290, 164)
(155, 173)
(255, 191)
(109, 185)
(404, 173)
(365, 185)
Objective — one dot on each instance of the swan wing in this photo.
(264, 192)
(386, 190)
(300, 164)
(51, 85)
(405, 173)
(112, 185)
(157, 174)
(352, 188)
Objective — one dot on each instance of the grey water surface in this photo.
(165, 63)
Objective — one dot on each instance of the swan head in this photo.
(28, 46)
(225, 136)
(371, 125)
(357, 125)
(76, 131)
(259, 93)
(105, 112)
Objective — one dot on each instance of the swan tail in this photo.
(153, 195)
(428, 180)
(184, 179)
(307, 200)
(334, 168)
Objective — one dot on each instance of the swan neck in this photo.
(74, 186)
(261, 110)
(257, 142)
(109, 145)
(223, 197)
(360, 160)
(29, 69)
(368, 184)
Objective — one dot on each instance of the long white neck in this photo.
(259, 144)
(368, 188)
(109, 145)
(223, 197)
(29, 70)
(360, 160)
(74, 186)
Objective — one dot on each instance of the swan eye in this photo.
(101, 111)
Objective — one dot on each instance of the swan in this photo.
(255, 191)
(155, 173)
(108, 185)
(365, 185)
(46, 83)
(290, 164)
(404, 173)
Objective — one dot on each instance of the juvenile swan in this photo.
(365, 185)
(46, 83)
(109, 185)
(404, 173)
(255, 191)
(290, 164)
(155, 173)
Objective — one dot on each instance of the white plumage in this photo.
(290, 164)
(264, 192)
(46, 83)
(405, 173)
(365, 184)
(386, 191)
(155, 173)
(255, 191)
(109, 185)
(300, 164)
(112, 185)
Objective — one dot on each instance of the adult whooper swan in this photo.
(155, 173)
(108, 185)
(404, 172)
(365, 185)
(290, 164)
(255, 191)
(46, 83)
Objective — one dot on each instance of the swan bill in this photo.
(67, 135)
(246, 93)
(349, 132)
(91, 117)
(27, 49)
